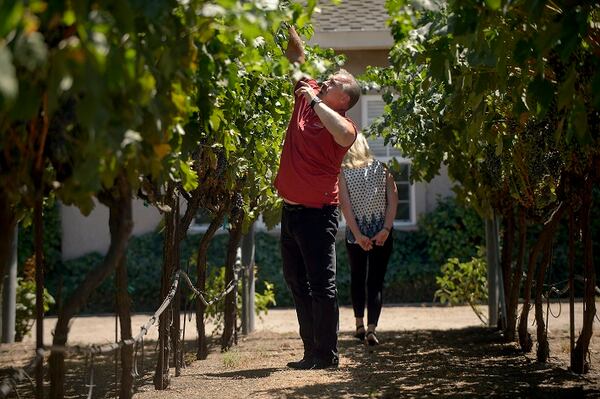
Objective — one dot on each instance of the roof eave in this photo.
(353, 40)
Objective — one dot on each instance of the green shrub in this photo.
(464, 282)
(25, 307)
(452, 231)
(416, 260)
(144, 265)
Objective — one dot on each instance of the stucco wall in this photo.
(82, 235)
(439, 187)
(427, 194)
(353, 40)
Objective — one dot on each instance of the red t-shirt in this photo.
(311, 159)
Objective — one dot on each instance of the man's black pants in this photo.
(308, 253)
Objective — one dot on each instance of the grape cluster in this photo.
(542, 157)
(221, 164)
(491, 167)
(237, 204)
(62, 128)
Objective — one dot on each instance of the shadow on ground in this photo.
(470, 362)
(100, 373)
(464, 363)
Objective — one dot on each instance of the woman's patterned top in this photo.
(367, 190)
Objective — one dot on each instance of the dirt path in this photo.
(100, 329)
(425, 351)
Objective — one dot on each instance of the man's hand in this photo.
(380, 237)
(295, 48)
(341, 129)
(364, 242)
(306, 90)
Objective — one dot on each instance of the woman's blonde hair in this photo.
(359, 155)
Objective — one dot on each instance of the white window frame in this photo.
(411, 222)
(201, 228)
(365, 98)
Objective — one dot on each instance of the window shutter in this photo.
(374, 110)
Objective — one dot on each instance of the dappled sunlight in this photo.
(412, 360)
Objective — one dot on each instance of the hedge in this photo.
(450, 231)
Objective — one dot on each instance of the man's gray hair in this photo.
(350, 87)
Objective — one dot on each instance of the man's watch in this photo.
(315, 101)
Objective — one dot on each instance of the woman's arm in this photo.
(391, 192)
(362, 240)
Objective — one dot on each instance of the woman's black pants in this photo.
(367, 274)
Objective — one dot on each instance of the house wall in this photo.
(84, 234)
(428, 194)
(439, 187)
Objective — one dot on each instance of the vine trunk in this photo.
(545, 236)
(124, 312)
(578, 362)
(202, 344)
(229, 320)
(120, 224)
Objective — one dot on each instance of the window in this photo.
(405, 211)
(372, 107)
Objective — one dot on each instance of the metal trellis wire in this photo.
(18, 375)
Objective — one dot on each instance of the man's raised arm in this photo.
(295, 48)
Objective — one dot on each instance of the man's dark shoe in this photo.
(306, 363)
(320, 364)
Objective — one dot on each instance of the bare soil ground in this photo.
(426, 351)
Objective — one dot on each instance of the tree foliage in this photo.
(505, 93)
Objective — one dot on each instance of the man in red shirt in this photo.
(318, 136)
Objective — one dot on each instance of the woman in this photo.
(368, 199)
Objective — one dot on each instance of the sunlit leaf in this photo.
(11, 12)
(8, 79)
(493, 4)
(189, 178)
